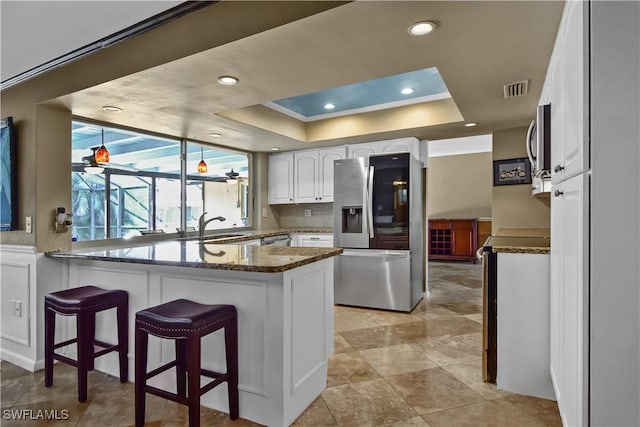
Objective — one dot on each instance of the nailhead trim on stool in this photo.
(186, 322)
(84, 302)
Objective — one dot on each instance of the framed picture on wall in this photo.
(511, 171)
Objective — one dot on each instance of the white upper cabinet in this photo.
(280, 178)
(401, 145)
(303, 176)
(326, 157)
(570, 90)
(306, 181)
(362, 150)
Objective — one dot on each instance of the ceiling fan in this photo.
(232, 176)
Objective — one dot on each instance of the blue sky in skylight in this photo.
(369, 93)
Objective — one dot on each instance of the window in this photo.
(143, 187)
(221, 191)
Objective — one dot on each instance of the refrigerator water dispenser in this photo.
(352, 219)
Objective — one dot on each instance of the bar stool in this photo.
(186, 322)
(84, 302)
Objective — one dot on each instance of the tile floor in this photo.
(389, 369)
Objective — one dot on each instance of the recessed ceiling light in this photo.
(329, 106)
(111, 108)
(275, 148)
(421, 28)
(228, 80)
(407, 91)
(215, 135)
(469, 125)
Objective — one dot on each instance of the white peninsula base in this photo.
(285, 328)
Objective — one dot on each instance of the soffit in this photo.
(478, 47)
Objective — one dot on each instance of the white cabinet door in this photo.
(363, 150)
(574, 88)
(306, 176)
(569, 298)
(280, 178)
(406, 145)
(315, 240)
(326, 157)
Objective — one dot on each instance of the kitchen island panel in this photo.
(285, 325)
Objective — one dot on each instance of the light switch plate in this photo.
(27, 222)
(264, 212)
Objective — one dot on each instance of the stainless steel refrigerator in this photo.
(379, 221)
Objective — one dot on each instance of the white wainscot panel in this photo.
(137, 285)
(15, 281)
(250, 299)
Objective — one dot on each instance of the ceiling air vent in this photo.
(512, 90)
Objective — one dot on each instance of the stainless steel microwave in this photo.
(539, 142)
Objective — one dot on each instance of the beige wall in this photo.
(513, 206)
(261, 194)
(459, 186)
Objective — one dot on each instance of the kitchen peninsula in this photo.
(284, 297)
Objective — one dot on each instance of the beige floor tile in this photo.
(366, 403)
(397, 359)
(340, 345)
(177, 415)
(433, 390)
(470, 373)
(432, 311)
(477, 317)
(349, 367)
(386, 318)
(58, 412)
(381, 336)
(349, 318)
(532, 411)
(116, 409)
(449, 349)
(464, 307)
(409, 422)
(482, 414)
(317, 414)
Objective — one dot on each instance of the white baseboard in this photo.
(21, 361)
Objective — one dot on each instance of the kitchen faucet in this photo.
(202, 223)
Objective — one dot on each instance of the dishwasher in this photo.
(281, 240)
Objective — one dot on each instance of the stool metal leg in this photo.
(231, 343)
(181, 367)
(123, 339)
(49, 343)
(193, 373)
(85, 352)
(142, 340)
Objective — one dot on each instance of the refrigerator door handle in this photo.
(370, 201)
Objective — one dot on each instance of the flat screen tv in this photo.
(8, 175)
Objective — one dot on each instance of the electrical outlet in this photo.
(17, 308)
(264, 212)
(27, 222)
(307, 212)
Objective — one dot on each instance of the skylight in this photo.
(387, 92)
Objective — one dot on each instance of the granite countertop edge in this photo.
(320, 254)
(520, 244)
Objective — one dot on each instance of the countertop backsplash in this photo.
(293, 216)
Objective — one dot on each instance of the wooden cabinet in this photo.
(303, 176)
(281, 178)
(453, 239)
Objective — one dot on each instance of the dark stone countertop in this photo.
(194, 253)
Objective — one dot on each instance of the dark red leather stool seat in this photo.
(84, 302)
(186, 322)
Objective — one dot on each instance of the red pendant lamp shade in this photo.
(202, 166)
(102, 154)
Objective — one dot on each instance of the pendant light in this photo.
(202, 166)
(102, 154)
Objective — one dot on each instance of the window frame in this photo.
(183, 176)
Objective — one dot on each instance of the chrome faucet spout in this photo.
(202, 224)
